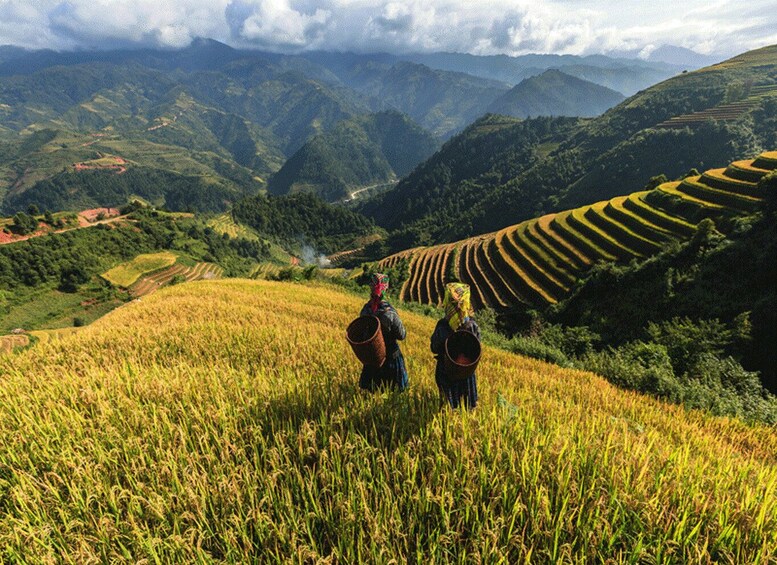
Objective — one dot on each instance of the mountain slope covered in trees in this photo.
(554, 93)
(367, 150)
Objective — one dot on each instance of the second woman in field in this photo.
(458, 316)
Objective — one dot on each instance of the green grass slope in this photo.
(222, 422)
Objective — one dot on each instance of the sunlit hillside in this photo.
(538, 261)
(221, 421)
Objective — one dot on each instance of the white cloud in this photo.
(485, 26)
(275, 23)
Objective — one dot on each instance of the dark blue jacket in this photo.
(455, 392)
(391, 326)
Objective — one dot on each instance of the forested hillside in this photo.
(231, 127)
(436, 201)
(356, 153)
(304, 219)
(554, 93)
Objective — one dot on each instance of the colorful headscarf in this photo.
(379, 284)
(457, 304)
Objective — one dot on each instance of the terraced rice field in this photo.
(127, 273)
(722, 112)
(225, 224)
(151, 283)
(538, 261)
(45, 336)
(341, 256)
(221, 422)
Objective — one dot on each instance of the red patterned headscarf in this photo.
(379, 284)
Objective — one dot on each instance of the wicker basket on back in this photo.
(366, 340)
(462, 354)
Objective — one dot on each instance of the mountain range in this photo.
(626, 74)
(223, 118)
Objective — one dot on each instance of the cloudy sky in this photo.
(475, 26)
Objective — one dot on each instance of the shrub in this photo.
(24, 224)
(78, 322)
(286, 274)
(71, 277)
(572, 341)
(656, 181)
(686, 341)
(724, 387)
(638, 365)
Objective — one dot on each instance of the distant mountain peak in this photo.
(207, 43)
(682, 56)
(555, 93)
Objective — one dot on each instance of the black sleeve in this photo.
(441, 333)
(394, 326)
(398, 327)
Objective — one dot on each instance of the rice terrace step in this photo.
(147, 285)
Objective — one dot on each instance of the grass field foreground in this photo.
(126, 274)
(221, 421)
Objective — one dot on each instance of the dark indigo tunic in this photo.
(455, 391)
(393, 372)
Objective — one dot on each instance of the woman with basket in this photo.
(393, 372)
(458, 318)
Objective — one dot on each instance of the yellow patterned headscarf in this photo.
(457, 303)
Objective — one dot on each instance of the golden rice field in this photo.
(44, 336)
(127, 273)
(537, 262)
(221, 422)
(10, 342)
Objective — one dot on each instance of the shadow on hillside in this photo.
(394, 419)
(385, 419)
